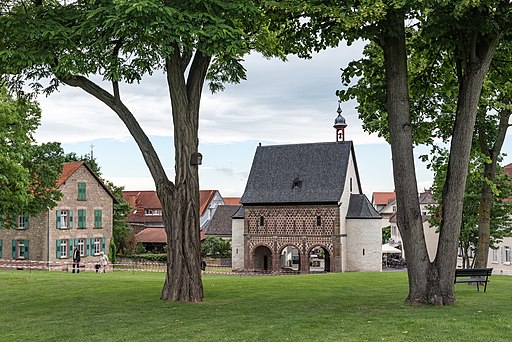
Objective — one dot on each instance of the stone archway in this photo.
(319, 259)
(262, 259)
(289, 259)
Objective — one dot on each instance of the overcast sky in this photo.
(279, 103)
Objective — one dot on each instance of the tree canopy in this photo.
(28, 172)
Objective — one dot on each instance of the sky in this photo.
(289, 102)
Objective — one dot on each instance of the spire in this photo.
(339, 125)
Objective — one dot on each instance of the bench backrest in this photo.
(467, 272)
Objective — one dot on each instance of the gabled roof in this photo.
(220, 223)
(361, 208)
(383, 198)
(69, 168)
(508, 169)
(301, 173)
(205, 197)
(426, 197)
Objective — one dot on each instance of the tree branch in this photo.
(145, 146)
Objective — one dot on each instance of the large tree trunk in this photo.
(486, 197)
(183, 280)
(400, 130)
(430, 283)
(470, 85)
(180, 200)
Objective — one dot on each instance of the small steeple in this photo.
(339, 125)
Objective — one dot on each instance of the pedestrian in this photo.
(103, 262)
(76, 260)
(203, 265)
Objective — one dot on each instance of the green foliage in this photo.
(157, 257)
(112, 251)
(28, 172)
(386, 234)
(216, 247)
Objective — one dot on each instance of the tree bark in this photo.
(476, 65)
(486, 197)
(183, 280)
(400, 130)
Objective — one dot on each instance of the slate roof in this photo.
(220, 223)
(360, 208)
(317, 170)
(240, 213)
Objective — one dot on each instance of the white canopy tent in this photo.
(388, 249)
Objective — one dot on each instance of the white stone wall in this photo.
(237, 244)
(498, 259)
(364, 245)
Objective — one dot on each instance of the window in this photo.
(97, 246)
(318, 220)
(153, 212)
(81, 191)
(98, 219)
(81, 218)
(20, 249)
(81, 247)
(262, 221)
(506, 254)
(297, 183)
(63, 248)
(21, 221)
(495, 255)
(350, 184)
(64, 219)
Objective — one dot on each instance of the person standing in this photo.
(103, 262)
(76, 260)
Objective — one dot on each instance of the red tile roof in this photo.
(205, 197)
(67, 170)
(157, 235)
(508, 169)
(383, 198)
(231, 200)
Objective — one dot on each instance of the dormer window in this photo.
(297, 183)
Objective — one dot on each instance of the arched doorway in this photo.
(289, 259)
(319, 259)
(262, 259)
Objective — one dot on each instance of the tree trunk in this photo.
(486, 197)
(183, 280)
(470, 85)
(400, 130)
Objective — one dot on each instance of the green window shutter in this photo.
(98, 219)
(103, 243)
(57, 250)
(14, 249)
(26, 249)
(58, 219)
(81, 218)
(82, 191)
(92, 246)
(26, 220)
(1, 221)
(71, 219)
(15, 221)
(70, 244)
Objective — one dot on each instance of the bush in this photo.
(161, 257)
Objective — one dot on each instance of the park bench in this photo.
(473, 275)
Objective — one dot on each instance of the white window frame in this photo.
(506, 254)
(494, 255)
(64, 218)
(97, 246)
(81, 246)
(21, 249)
(63, 248)
(20, 222)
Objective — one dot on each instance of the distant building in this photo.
(146, 220)
(221, 222)
(82, 219)
(304, 210)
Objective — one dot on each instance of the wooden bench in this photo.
(473, 275)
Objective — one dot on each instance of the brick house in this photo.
(304, 210)
(82, 218)
(145, 217)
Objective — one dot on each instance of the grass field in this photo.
(124, 306)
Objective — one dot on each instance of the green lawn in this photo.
(124, 306)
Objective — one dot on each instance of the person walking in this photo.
(76, 260)
(103, 262)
